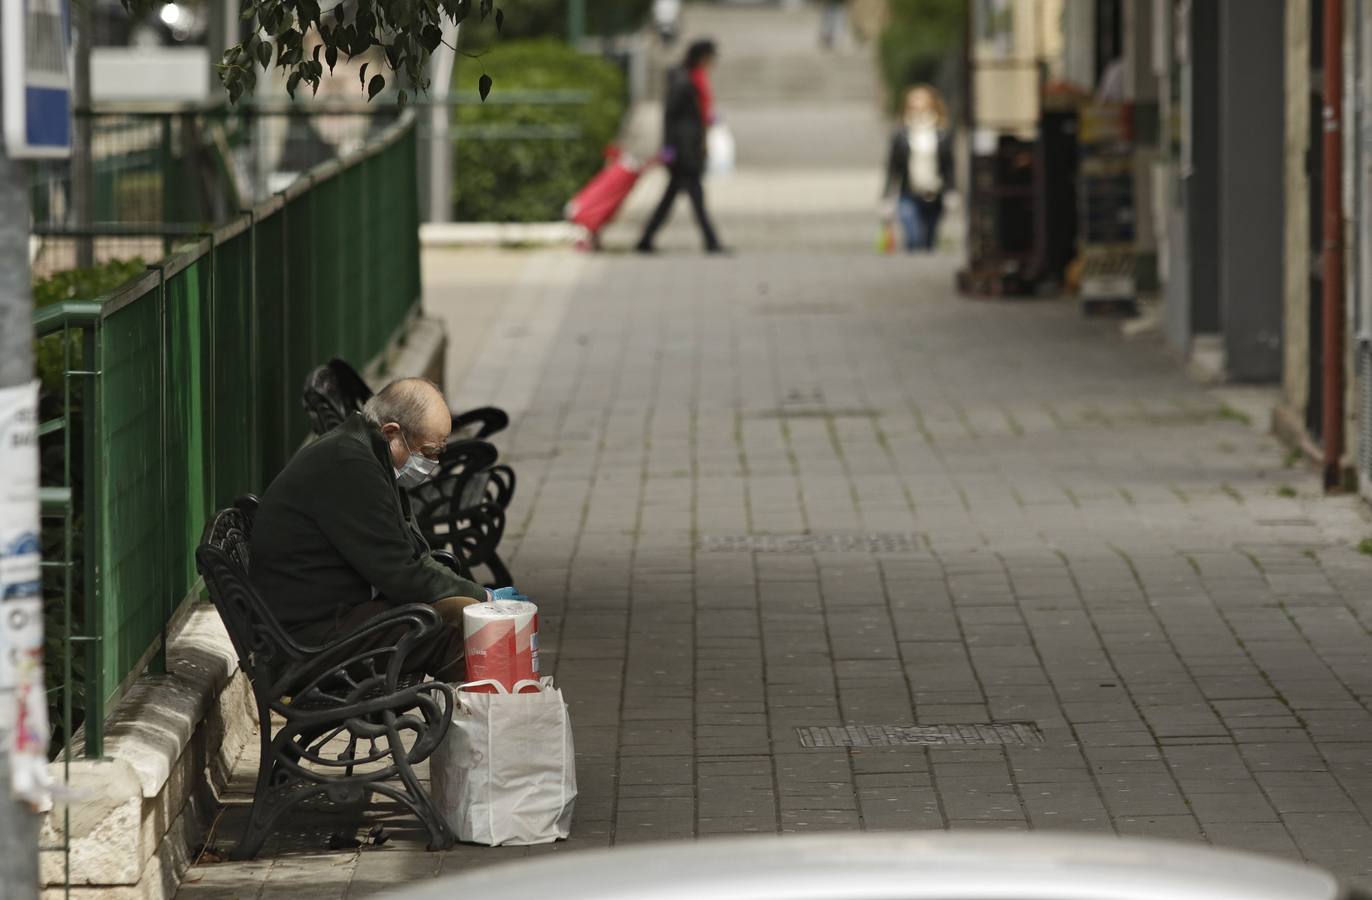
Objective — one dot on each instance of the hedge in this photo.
(919, 40)
(531, 178)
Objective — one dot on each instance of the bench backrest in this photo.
(333, 392)
(264, 649)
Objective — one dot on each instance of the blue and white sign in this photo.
(35, 52)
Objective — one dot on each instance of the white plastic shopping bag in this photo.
(506, 772)
(719, 149)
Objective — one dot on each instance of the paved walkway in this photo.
(808, 487)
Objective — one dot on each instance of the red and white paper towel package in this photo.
(502, 643)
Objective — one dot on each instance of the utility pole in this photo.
(435, 147)
(20, 602)
(576, 22)
(18, 822)
(82, 178)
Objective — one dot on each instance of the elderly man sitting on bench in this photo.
(334, 541)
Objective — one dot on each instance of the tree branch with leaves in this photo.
(406, 32)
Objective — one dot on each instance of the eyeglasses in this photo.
(428, 451)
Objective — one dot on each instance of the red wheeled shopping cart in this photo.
(596, 204)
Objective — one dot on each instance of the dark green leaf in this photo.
(338, 13)
(432, 37)
(499, 20)
(362, 76)
(264, 54)
(483, 86)
(361, 42)
(375, 85)
(331, 57)
(292, 83)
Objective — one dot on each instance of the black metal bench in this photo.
(309, 697)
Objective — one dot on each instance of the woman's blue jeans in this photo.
(919, 220)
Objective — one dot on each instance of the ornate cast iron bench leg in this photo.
(275, 792)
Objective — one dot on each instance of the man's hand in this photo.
(507, 593)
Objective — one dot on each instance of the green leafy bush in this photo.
(75, 284)
(920, 36)
(522, 162)
(86, 284)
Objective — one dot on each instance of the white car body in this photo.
(964, 865)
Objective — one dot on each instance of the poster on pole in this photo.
(35, 52)
(23, 698)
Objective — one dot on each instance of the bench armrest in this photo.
(466, 456)
(487, 420)
(358, 662)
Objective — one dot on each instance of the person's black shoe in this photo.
(720, 250)
(645, 249)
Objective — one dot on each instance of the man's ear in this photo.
(390, 430)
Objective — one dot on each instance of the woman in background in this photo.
(688, 114)
(919, 168)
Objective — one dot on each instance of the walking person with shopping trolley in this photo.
(687, 116)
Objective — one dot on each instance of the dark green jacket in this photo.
(333, 525)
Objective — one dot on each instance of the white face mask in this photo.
(417, 469)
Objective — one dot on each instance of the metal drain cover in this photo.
(879, 542)
(828, 737)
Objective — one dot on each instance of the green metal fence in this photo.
(182, 390)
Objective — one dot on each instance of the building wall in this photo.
(1005, 72)
(1251, 163)
(1296, 281)
(1201, 171)
(1079, 42)
(1141, 87)
(1358, 236)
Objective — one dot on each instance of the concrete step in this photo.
(798, 78)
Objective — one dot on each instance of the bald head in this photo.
(412, 415)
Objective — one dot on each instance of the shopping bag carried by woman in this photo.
(720, 150)
(506, 772)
